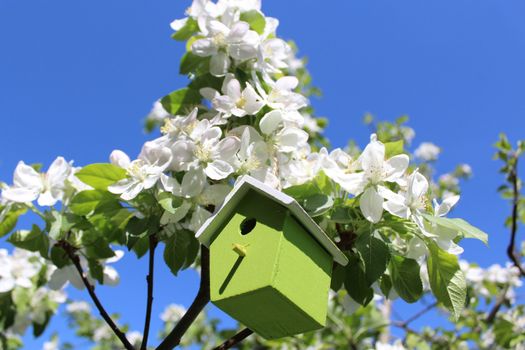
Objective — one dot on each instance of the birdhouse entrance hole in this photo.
(247, 225)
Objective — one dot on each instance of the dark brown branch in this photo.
(70, 251)
(149, 298)
(236, 339)
(513, 177)
(200, 301)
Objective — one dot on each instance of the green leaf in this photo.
(338, 277)
(446, 279)
(54, 225)
(341, 214)
(180, 250)
(59, 257)
(34, 240)
(320, 185)
(191, 63)
(83, 203)
(393, 148)
(169, 202)
(137, 227)
(101, 175)
(206, 80)
(404, 273)
(139, 245)
(189, 28)
(180, 101)
(99, 249)
(7, 311)
(458, 225)
(39, 328)
(355, 282)
(375, 254)
(255, 19)
(385, 285)
(318, 204)
(177, 215)
(96, 270)
(303, 190)
(8, 222)
(192, 251)
(324, 183)
(504, 333)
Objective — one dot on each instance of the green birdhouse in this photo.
(270, 263)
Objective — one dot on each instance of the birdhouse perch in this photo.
(270, 263)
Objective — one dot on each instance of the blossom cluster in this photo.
(21, 273)
(484, 280)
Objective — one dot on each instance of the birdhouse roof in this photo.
(243, 186)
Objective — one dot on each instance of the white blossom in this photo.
(427, 151)
(205, 149)
(410, 202)
(281, 138)
(29, 185)
(234, 101)
(173, 313)
(17, 269)
(78, 307)
(51, 345)
(158, 113)
(223, 42)
(370, 181)
(397, 345)
(135, 338)
(253, 158)
(143, 173)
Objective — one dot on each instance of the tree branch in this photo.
(200, 301)
(70, 251)
(149, 298)
(513, 175)
(499, 303)
(236, 339)
(417, 315)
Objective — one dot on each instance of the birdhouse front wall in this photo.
(280, 286)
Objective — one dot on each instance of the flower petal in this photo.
(270, 122)
(444, 208)
(373, 156)
(19, 195)
(371, 204)
(58, 172)
(27, 177)
(47, 199)
(397, 166)
(218, 170)
(204, 47)
(119, 158)
(193, 182)
(219, 64)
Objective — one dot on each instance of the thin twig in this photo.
(70, 251)
(149, 300)
(514, 224)
(200, 301)
(236, 339)
(417, 315)
(434, 339)
(499, 303)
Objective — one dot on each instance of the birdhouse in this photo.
(270, 263)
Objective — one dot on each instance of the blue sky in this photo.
(78, 77)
